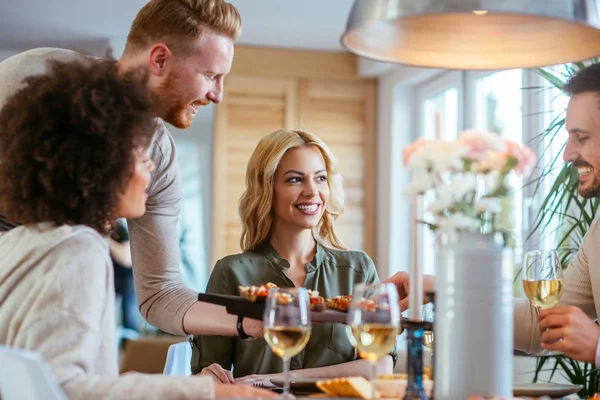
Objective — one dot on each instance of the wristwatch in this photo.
(240, 329)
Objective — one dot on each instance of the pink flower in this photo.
(525, 157)
(491, 161)
(481, 142)
(409, 150)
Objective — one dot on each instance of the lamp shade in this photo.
(474, 34)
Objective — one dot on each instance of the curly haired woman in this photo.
(72, 159)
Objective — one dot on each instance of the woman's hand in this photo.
(218, 373)
(263, 381)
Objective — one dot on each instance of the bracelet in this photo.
(240, 329)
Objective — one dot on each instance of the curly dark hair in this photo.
(68, 141)
(585, 80)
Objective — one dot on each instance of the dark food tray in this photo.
(237, 305)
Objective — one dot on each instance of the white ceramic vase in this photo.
(474, 318)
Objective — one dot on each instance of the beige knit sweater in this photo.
(57, 299)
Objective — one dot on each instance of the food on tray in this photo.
(317, 303)
(254, 293)
(355, 386)
(340, 303)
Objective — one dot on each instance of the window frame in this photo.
(534, 104)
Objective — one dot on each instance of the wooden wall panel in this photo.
(251, 108)
(340, 113)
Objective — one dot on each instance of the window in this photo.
(439, 117)
(555, 104)
(498, 108)
(491, 101)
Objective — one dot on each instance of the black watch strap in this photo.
(240, 328)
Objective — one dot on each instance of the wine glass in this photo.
(428, 337)
(542, 279)
(287, 326)
(374, 319)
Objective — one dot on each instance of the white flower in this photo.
(408, 151)
(420, 182)
(446, 156)
(447, 195)
(488, 204)
(443, 201)
(419, 160)
(453, 173)
(462, 184)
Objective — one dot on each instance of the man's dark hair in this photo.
(68, 141)
(585, 80)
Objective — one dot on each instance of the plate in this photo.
(396, 388)
(544, 389)
(305, 385)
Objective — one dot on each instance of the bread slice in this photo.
(355, 386)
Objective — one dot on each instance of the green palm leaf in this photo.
(573, 215)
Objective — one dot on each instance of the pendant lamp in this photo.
(474, 34)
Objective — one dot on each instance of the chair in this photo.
(179, 357)
(24, 375)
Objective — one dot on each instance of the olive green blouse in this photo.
(331, 272)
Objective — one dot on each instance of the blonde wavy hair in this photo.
(256, 204)
(179, 23)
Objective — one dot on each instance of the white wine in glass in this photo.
(543, 280)
(428, 340)
(287, 326)
(374, 341)
(427, 313)
(287, 341)
(374, 319)
(543, 293)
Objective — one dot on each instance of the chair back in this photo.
(24, 375)
(179, 358)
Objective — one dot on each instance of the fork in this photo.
(258, 384)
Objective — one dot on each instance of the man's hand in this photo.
(570, 331)
(401, 279)
(218, 373)
(241, 392)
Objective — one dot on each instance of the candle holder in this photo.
(414, 343)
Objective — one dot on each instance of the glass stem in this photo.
(372, 369)
(286, 377)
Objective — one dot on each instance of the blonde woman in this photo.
(293, 196)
